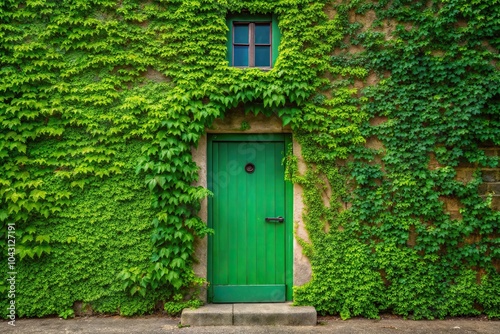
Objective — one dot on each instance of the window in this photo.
(252, 41)
(252, 44)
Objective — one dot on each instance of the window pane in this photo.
(241, 33)
(262, 56)
(262, 35)
(240, 55)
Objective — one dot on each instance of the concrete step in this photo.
(254, 314)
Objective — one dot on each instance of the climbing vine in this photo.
(415, 236)
(392, 102)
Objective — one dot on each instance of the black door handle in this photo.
(275, 219)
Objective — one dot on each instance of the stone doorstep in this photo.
(254, 314)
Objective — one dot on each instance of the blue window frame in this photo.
(253, 41)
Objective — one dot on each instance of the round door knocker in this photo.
(250, 168)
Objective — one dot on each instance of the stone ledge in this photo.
(208, 315)
(273, 314)
(255, 314)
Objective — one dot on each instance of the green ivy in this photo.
(437, 95)
(102, 102)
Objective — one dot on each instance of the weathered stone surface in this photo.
(489, 176)
(495, 203)
(465, 175)
(208, 315)
(273, 314)
(374, 143)
(254, 314)
(482, 189)
(491, 152)
(495, 188)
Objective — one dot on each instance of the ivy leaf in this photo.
(37, 194)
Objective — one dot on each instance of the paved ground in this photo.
(163, 325)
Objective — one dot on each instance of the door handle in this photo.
(275, 219)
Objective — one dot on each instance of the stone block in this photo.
(464, 175)
(274, 315)
(482, 189)
(489, 175)
(495, 203)
(374, 143)
(378, 120)
(456, 215)
(208, 315)
(494, 187)
(463, 163)
(491, 152)
(250, 314)
(452, 204)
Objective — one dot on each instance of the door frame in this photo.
(288, 215)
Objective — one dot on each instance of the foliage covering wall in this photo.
(101, 102)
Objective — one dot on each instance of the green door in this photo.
(249, 253)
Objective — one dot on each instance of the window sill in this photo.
(248, 67)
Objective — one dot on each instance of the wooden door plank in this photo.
(254, 226)
(233, 208)
(270, 293)
(279, 187)
(221, 270)
(241, 212)
(270, 191)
